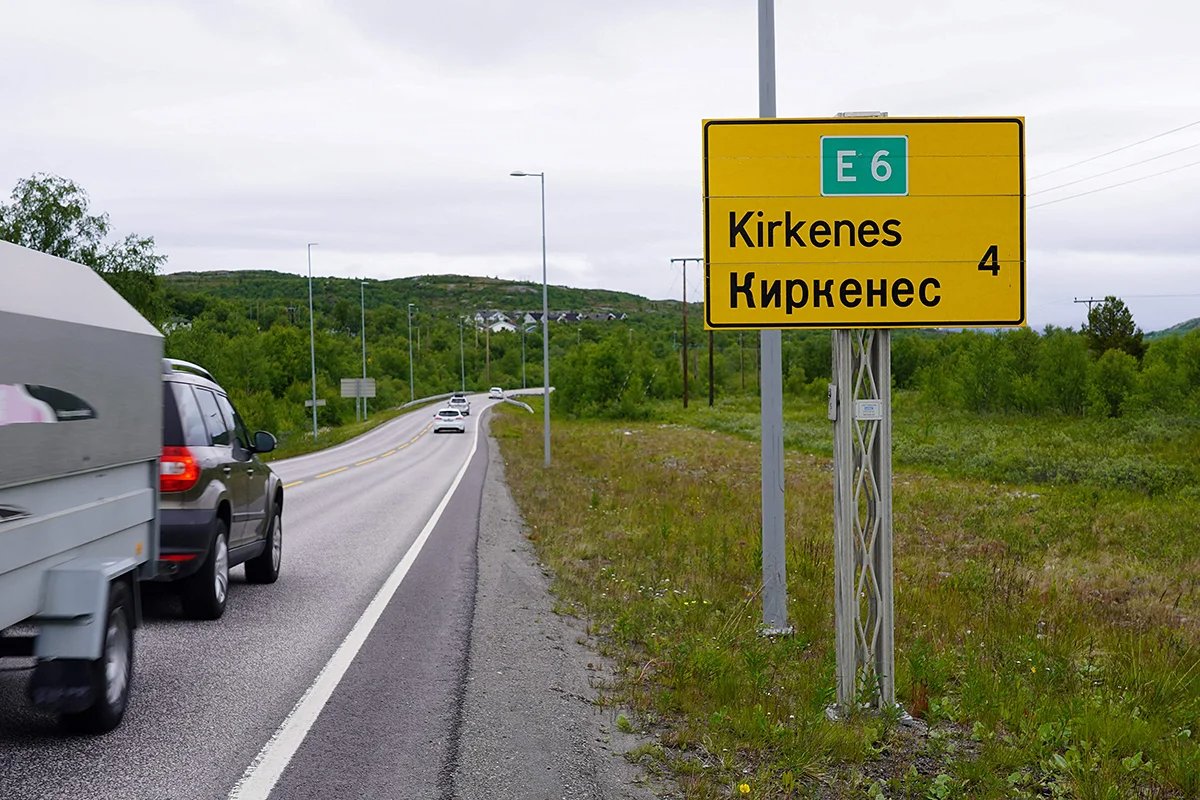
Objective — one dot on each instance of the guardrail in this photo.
(525, 406)
(421, 400)
(507, 398)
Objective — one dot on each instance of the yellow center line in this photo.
(293, 483)
(369, 460)
(332, 472)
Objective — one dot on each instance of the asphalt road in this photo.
(409, 650)
(208, 696)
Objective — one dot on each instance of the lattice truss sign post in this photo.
(860, 407)
(862, 225)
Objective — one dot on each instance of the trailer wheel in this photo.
(264, 568)
(205, 593)
(112, 673)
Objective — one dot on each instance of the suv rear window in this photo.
(183, 426)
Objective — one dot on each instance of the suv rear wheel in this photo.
(264, 568)
(205, 593)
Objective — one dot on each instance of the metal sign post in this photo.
(774, 564)
(861, 409)
(864, 608)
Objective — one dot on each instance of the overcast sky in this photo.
(385, 130)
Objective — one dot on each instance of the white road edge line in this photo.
(260, 777)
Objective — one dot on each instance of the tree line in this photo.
(252, 332)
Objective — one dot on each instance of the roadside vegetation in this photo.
(1048, 598)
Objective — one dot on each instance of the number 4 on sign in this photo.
(990, 261)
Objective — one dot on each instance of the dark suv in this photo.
(220, 506)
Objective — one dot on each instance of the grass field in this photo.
(1047, 601)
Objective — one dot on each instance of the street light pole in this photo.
(362, 299)
(541, 176)
(412, 395)
(312, 340)
(462, 358)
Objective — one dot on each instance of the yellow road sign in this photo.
(864, 223)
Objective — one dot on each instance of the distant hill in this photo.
(453, 294)
(1175, 330)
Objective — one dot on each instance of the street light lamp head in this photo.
(518, 174)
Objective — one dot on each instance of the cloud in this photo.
(387, 130)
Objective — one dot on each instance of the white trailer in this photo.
(80, 438)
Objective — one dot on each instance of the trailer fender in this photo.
(72, 619)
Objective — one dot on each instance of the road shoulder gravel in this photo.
(530, 725)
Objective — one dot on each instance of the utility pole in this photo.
(710, 369)
(684, 262)
(742, 359)
(412, 394)
(1089, 302)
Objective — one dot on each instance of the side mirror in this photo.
(263, 442)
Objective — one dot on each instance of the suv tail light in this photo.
(178, 470)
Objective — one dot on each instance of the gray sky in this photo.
(386, 129)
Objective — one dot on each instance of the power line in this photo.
(1117, 150)
(1116, 169)
(1115, 185)
(1159, 296)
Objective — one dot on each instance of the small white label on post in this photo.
(868, 409)
(833, 402)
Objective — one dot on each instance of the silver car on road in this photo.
(449, 419)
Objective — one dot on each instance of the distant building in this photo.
(490, 318)
(176, 323)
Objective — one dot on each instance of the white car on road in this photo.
(496, 393)
(461, 403)
(449, 419)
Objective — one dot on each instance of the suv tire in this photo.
(264, 568)
(204, 594)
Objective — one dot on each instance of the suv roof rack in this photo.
(177, 365)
